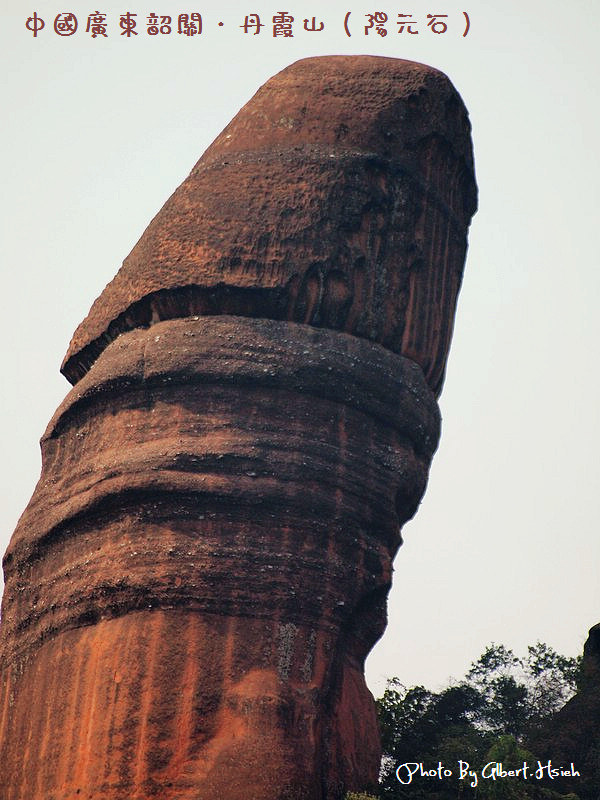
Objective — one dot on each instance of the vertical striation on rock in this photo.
(195, 584)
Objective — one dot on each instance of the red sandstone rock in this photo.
(339, 196)
(203, 567)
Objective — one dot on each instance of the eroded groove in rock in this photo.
(203, 568)
(339, 196)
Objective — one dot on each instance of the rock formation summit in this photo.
(337, 197)
(203, 568)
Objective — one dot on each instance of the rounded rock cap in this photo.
(339, 196)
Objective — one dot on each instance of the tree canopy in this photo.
(469, 740)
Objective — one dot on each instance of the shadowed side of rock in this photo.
(572, 734)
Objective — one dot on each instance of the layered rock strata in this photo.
(203, 567)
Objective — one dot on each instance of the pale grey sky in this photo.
(97, 133)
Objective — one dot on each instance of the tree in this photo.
(552, 679)
(483, 719)
(519, 692)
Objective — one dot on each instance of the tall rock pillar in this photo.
(203, 567)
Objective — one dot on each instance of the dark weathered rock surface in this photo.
(572, 735)
(203, 567)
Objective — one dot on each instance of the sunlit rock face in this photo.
(203, 567)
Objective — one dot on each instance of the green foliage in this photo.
(507, 751)
(359, 796)
(552, 679)
(519, 692)
(483, 719)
